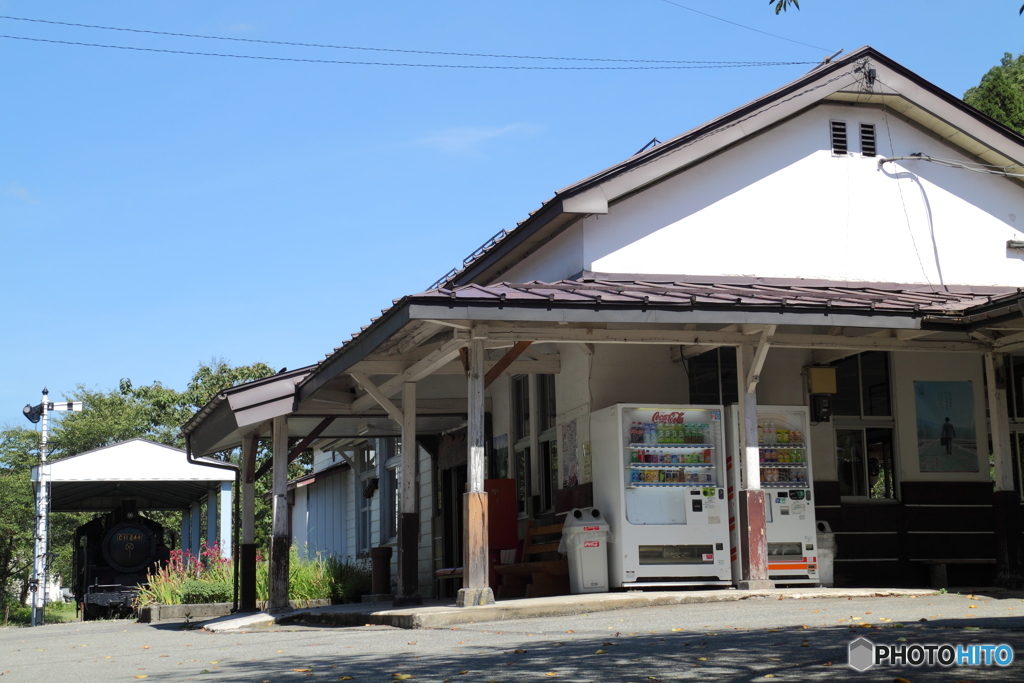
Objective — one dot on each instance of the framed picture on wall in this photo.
(947, 438)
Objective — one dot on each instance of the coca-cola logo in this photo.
(668, 418)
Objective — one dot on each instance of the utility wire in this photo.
(749, 28)
(433, 66)
(354, 47)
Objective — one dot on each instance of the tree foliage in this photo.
(1001, 93)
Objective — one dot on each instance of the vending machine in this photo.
(659, 480)
(784, 452)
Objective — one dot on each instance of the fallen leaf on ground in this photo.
(601, 652)
(402, 677)
(519, 652)
(302, 671)
(344, 678)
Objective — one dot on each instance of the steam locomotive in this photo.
(113, 554)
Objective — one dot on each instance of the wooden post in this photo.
(408, 518)
(280, 542)
(1005, 502)
(475, 589)
(247, 552)
(753, 532)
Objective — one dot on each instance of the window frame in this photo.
(366, 469)
(863, 423)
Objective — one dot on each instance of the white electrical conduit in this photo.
(987, 169)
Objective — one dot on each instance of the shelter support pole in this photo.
(280, 541)
(211, 517)
(1005, 501)
(186, 530)
(752, 519)
(475, 589)
(408, 518)
(247, 552)
(225, 519)
(196, 530)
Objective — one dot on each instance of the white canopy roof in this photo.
(158, 477)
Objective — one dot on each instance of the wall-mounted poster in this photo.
(947, 440)
(500, 457)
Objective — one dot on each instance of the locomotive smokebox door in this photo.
(129, 546)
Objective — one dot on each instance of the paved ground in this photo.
(755, 639)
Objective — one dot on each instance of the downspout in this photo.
(238, 494)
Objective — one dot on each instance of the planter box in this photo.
(153, 613)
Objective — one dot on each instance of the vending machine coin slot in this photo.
(782, 494)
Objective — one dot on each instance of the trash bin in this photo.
(826, 554)
(585, 538)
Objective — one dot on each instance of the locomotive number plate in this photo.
(129, 537)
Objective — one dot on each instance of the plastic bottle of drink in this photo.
(770, 436)
(706, 433)
(760, 432)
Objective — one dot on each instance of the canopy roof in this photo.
(158, 477)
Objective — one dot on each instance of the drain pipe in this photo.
(235, 514)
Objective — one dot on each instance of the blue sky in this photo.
(160, 210)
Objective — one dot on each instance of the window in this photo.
(867, 139)
(713, 377)
(366, 474)
(533, 404)
(548, 441)
(521, 440)
(864, 427)
(390, 491)
(838, 130)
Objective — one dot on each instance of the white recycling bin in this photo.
(585, 538)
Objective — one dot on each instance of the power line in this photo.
(374, 49)
(716, 65)
(749, 28)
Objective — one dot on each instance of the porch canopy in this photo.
(158, 477)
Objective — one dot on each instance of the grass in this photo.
(56, 613)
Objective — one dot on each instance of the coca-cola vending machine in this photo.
(784, 454)
(659, 480)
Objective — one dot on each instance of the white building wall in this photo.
(782, 205)
(300, 522)
(636, 374)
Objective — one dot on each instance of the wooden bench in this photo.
(940, 578)
(537, 574)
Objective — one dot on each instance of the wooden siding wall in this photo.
(877, 543)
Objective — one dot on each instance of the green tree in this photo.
(1001, 93)
(19, 450)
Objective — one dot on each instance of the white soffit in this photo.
(135, 460)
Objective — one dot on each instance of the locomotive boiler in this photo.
(113, 555)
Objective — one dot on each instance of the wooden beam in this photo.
(685, 338)
(505, 361)
(464, 357)
(280, 539)
(759, 355)
(446, 352)
(378, 396)
(299, 447)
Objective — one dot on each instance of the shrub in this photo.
(200, 591)
(350, 580)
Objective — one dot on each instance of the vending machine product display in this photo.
(659, 479)
(784, 455)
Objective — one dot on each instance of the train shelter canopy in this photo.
(158, 477)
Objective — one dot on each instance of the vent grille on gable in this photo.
(867, 139)
(839, 145)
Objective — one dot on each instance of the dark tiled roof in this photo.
(742, 293)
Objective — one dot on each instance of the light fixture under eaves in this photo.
(1015, 244)
(363, 430)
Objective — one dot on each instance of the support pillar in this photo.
(280, 542)
(752, 521)
(225, 519)
(1005, 501)
(186, 530)
(475, 587)
(196, 529)
(247, 551)
(408, 518)
(211, 518)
